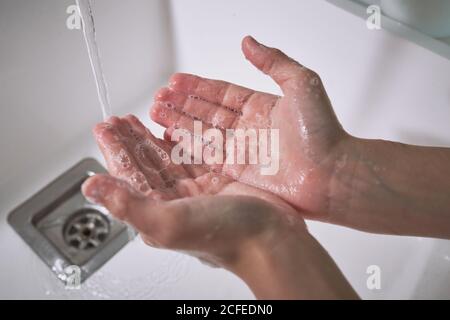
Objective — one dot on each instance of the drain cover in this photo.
(64, 229)
(86, 229)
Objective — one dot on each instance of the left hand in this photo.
(253, 234)
(171, 206)
(224, 231)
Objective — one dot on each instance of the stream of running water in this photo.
(87, 18)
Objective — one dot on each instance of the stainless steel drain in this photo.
(87, 229)
(64, 229)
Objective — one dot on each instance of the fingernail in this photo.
(150, 242)
(173, 81)
(251, 40)
(103, 125)
(110, 119)
(255, 46)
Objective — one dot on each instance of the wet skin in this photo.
(248, 231)
(310, 135)
(326, 174)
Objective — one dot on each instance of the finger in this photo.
(175, 224)
(169, 117)
(157, 150)
(121, 200)
(151, 159)
(195, 136)
(207, 150)
(147, 174)
(120, 161)
(210, 224)
(217, 92)
(175, 176)
(153, 149)
(210, 113)
(286, 72)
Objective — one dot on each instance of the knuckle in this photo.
(311, 74)
(276, 52)
(270, 60)
(268, 65)
(304, 75)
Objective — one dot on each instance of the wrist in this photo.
(294, 267)
(345, 179)
(357, 184)
(265, 264)
(395, 188)
(374, 190)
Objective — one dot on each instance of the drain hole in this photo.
(74, 243)
(101, 237)
(98, 223)
(72, 230)
(89, 246)
(86, 229)
(86, 232)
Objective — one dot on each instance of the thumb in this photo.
(286, 72)
(171, 224)
(119, 197)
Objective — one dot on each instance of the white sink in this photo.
(381, 86)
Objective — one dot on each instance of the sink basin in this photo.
(65, 230)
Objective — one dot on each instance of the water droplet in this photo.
(314, 81)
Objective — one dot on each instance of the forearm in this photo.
(394, 188)
(295, 267)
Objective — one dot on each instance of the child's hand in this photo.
(266, 245)
(312, 143)
(172, 205)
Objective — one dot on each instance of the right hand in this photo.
(313, 145)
